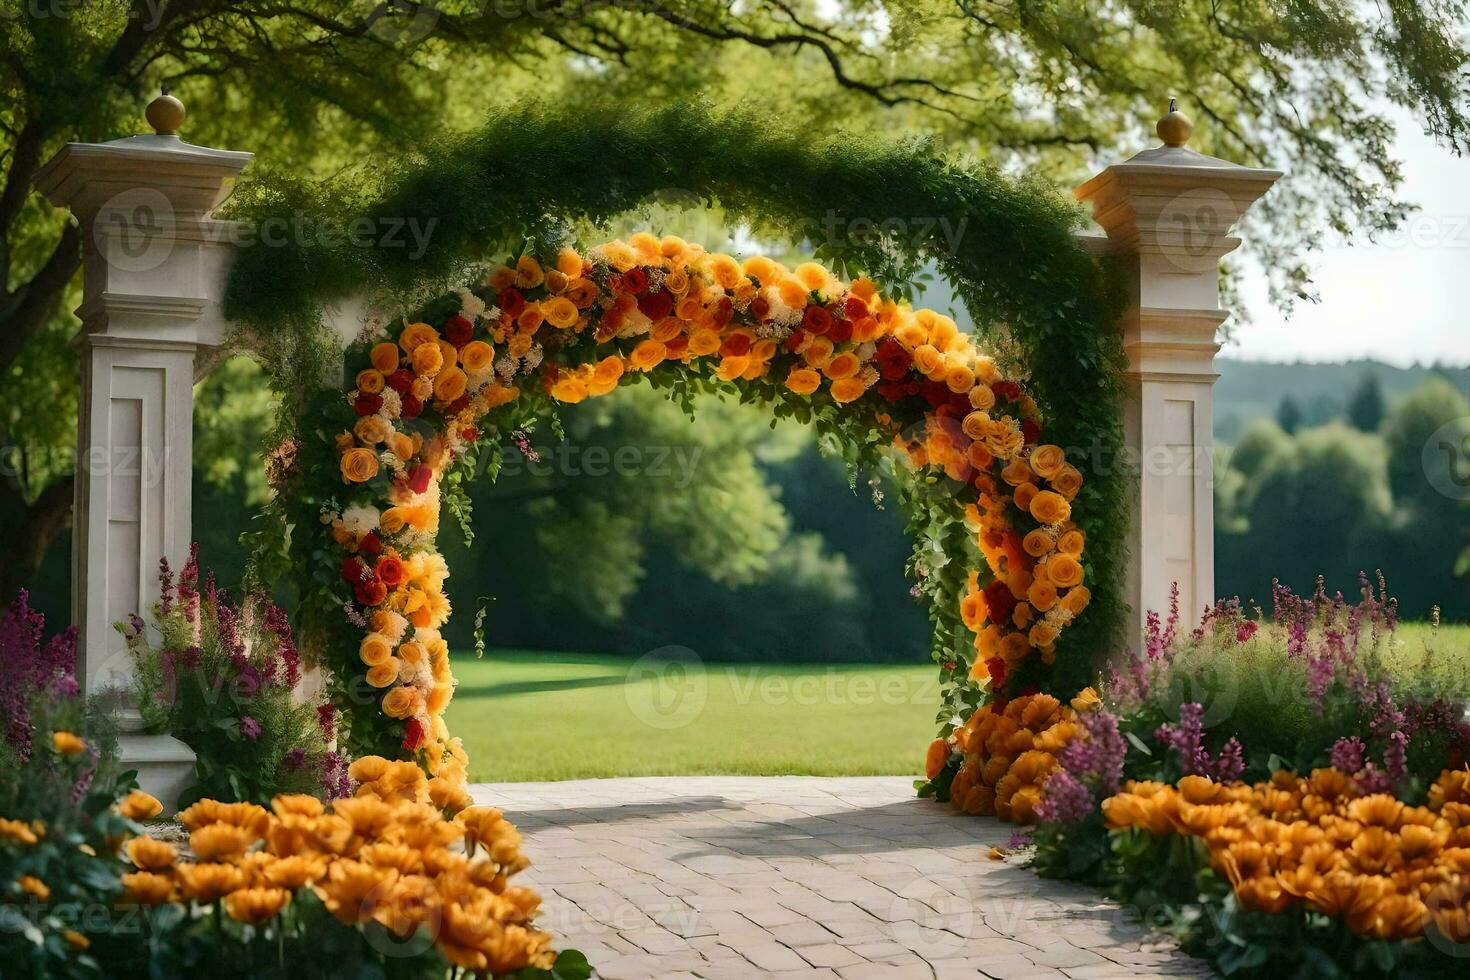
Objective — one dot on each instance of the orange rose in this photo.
(399, 703)
(793, 292)
(927, 360)
(1050, 508)
(569, 389)
(384, 357)
(370, 381)
(847, 390)
(359, 465)
(569, 263)
(844, 365)
(476, 356)
(1047, 461)
(724, 270)
(415, 335)
(529, 273)
(1076, 599)
(449, 384)
(428, 359)
(609, 369)
(1072, 542)
(375, 649)
(1067, 481)
(803, 381)
(703, 342)
(560, 312)
(582, 293)
(959, 378)
(383, 674)
(982, 399)
(648, 355)
(1064, 571)
(372, 429)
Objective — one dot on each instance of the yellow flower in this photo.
(220, 842)
(147, 888)
(1076, 599)
(1086, 700)
(138, 805)
(569, 389)
(67, 744)
(793, 292)
(648, 355)
(254, 905)
(148, 854)
(375, 649)
(844, 365)
(803, 381)
(76, 940)
(208, 882)
(359, 465)
(959, 378)
(569, 263)
(1047, 461)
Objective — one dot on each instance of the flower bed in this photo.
(1283, 791)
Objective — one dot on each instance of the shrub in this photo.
(226, 680)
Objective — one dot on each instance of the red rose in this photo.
(893, 390)
(370, 593)
(371, 544)
(635, 280)
(840, 332)
(760, 307)
(401, 381)
(411, 407)
(999, 603)
(390, 571)
(1008, 390)
(353, 570)
(997, 668)
(735, 345)
(854, 308)
(893, 360)
(366, 404)
(1030, 430)
(657, 305)
(414, 735)
(794, 342)
(724, 311)
(458, 330)
(936, 393)
(511, 301)
(419, 477)
(816, 319)
(469, 433)
(459, 404)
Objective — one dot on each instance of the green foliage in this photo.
(1427, 429)
(1366, 407)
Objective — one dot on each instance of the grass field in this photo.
(532, 716)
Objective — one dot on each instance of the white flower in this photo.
(476, 380)
(505, 367)
(361, 520)
(533, 357)
(470, 305)
(392, 404)
(868, 376)
(866, 350)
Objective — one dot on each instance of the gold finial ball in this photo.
(1175, 128)
(165, 114)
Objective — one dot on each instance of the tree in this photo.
(316, 86)
(1289, 415)
(1428, 452)
(1365, 407)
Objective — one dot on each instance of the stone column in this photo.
(1168, 213)
(154, 263)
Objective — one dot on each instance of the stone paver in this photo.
(792, 876)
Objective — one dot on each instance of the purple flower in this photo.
(1348, 755)
(1091, 764)
(335, 782)
(294, 760)
(1187, 741)
(1064, 799)
(250, 728)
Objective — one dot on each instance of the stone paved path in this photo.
(745, 877)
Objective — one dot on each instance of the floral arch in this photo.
(1003, 515)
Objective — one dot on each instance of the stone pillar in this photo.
(154, 263)
(1168, 213)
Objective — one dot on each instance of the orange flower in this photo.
(209, 882)
(359, 465)
(254, 905)
(803, 381)
(476, 356)
(560, 312)
(384, 358)
(1050, 508)
(647, 355)
(415, 335)
(147, 888)
(220, 842)
(67, 744)
(148, 854)
(138, 805)
(450, 384)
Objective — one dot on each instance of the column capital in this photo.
(154, 256)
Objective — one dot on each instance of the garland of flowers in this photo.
(532, 175)
(572, 326)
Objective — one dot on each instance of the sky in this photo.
(1403, 300)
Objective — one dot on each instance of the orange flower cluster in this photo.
(1009, 752)
(1384, 868)
(579, 327)
(387, 855)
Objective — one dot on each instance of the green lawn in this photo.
(531, 716)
